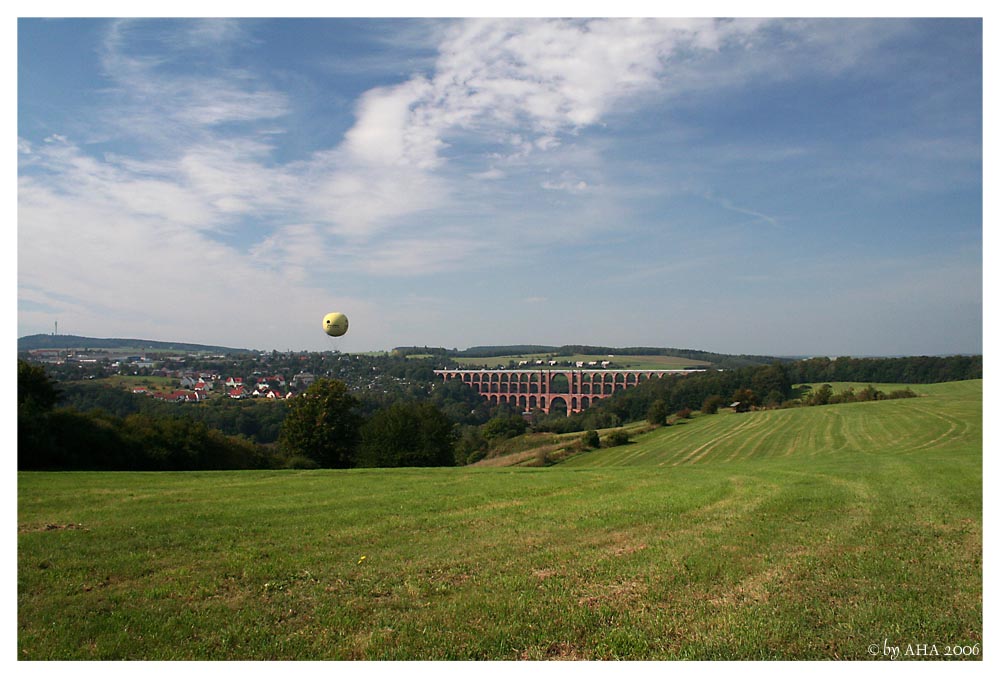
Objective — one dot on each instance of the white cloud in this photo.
(154, 101)
(496, 79)
(490, 174)
(571, 186)
(420, 256)
(202, 208)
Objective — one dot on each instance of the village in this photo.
(197, 377)
(197, 387)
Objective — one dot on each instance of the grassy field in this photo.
(129, 382)
(813, 533)
(945, 414)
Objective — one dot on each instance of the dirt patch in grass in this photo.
(559, 651)
(618, 594)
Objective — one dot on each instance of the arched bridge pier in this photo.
(541, 388)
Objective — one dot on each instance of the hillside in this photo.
(946, 417)
(680, 356)
(69, 341)
(849, 532)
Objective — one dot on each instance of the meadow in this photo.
(809, 533)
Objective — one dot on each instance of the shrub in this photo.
(657, 413)
(617, 437)
(301, 461)
(711, 404)
(591, 439)
(407, 433)
(502, 427)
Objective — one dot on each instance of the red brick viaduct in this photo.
(531, 389)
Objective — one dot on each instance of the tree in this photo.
(617, 437)
(822, 395)
(470, 446)
(36, 396)
(322, 424)
(772, 379)
(408, 433)
(746, 399)
(503, 426)
(711, 404)
(657, 413)
(35, 390)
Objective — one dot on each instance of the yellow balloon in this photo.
(335, 324)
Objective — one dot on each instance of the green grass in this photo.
(946, 415)
(794, 534)
(129, 382)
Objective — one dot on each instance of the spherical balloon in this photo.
(335, 324)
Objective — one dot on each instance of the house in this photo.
(237, 392)
(304, 379)
(234, 382)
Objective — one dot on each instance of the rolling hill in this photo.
(69, 341)
(947, 416)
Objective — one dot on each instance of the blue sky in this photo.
(780, 187)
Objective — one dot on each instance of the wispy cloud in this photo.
(488, 143)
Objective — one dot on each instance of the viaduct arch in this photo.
(533, 388)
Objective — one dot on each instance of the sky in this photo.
(775, 186)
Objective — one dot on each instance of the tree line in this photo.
(326, 427)
(760, 386)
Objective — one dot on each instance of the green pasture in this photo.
(810, 533)
(130, 381)
(943, 416)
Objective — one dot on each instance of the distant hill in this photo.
(717, 359)
(70, 341)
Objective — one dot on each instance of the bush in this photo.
(617, 437)
(591, 439)
(711, 404)
(543, 458)
(408, 433)
(301, 461)
(658, 412)
(502, 427)
(684, 413)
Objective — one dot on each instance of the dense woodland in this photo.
(392, 411)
